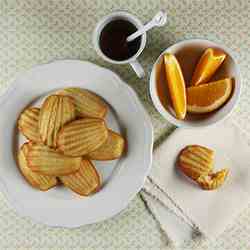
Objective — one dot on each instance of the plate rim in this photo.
(13, 201)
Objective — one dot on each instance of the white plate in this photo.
(122, 178)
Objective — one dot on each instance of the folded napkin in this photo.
(181, 207)
(172, 222)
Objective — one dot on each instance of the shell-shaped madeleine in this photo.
(28, 124)
(55, 112)
(36, 180)
(110, 150)
(48, 161)
(196, 160)
(85, 181)
(214, 180)
(87, 103)
(82, 136)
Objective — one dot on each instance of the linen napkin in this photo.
(172, 222)
(180, 206)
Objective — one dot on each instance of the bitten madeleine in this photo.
(87, 103)
(110, 150)
(28, 124)
(48, 161)
(214, 180)
(195, 161)
(85, 181)
(36, 180)
(82, 136)
(55, 112)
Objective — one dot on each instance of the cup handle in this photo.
(136, 66)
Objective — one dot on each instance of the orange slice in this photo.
(208, 97)
(209, 62)
(176, 85)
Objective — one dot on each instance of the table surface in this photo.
(36, 32)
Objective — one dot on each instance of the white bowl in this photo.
(188, 53)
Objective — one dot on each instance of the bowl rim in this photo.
(182, 123)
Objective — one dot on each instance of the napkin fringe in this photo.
(183, 218)
(150, 209)
(188, 219)
(196, 235)
(195, 226)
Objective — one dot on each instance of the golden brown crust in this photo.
(112, 149)
(195, 160)
(214, 180)
(48, 161)
(87, 103)
(82, 136)
(85, 181)
(55, 112)
(58, 141)
(36, 180)
(27, 124)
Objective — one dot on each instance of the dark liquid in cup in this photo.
(113, 40)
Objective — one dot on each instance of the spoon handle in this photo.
(147, 27)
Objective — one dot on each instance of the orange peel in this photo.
(176, 85)
(208, 64)
(208, 97)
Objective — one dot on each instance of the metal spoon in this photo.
(158, 20)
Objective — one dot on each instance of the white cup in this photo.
(120, 15)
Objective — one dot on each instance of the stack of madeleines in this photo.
(201, 96)
(64, 135)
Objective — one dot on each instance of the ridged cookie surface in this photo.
(48, 161)
(195, 160)
(28, 124)
(36, 180)
(110, 150)
(87, 103)
(55, 112)
(85, 181)
(82, 136)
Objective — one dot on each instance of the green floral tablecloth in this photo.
(35, 31)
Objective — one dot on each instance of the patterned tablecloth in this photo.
(34, 32)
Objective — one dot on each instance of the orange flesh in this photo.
(209, 62)
(176, 85)
(210, 96)
(207, 93)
